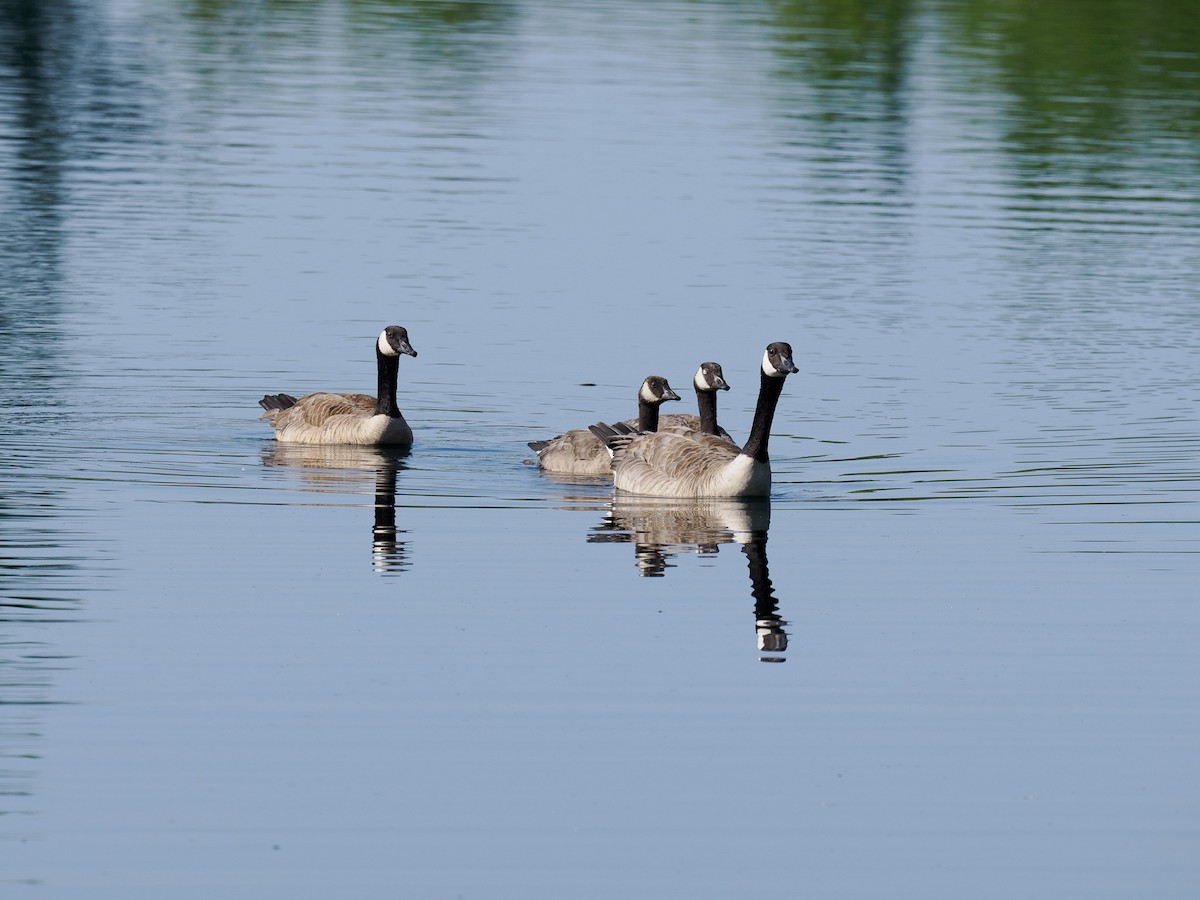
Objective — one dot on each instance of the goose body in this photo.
(328, 418)
(579, 452)
(693, 464)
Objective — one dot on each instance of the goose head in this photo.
(393, 341)
(710, 378)
(655, 390)
(777, 360)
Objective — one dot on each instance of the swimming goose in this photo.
(707, 381)
(347, 418)
(579, 452)
(669, 464)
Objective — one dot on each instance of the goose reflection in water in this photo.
(349, 469)
(660, 529)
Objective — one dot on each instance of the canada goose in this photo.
(707, 381)
(669, 464)
(579, 452)
(347, 418)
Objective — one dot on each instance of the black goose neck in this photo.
(647, 414)
(764, 413)
(385, 399)
(772, 635)
(706, 401)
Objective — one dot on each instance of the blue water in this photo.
(953, 655)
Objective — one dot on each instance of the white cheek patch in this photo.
(646, 394)
(769, 370)
(699, 382)
(384, 347)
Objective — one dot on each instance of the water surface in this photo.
(952, 655)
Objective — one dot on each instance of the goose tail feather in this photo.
(613, 436)
(277, 401)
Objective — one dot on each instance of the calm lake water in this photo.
(954, 656)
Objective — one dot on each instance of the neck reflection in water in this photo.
(349, 469)
(662, 528)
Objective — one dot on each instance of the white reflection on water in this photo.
(661, 529)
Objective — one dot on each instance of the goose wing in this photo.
(578, 443)
(669, 463)
(678, 422)
(577, 452)
(685, 422)
(317, 409)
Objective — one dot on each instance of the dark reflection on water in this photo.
(61, 104)
(342, 470)
(74, 103)
(51, 563)
(663, 529)
(832, 53)
(1071, 111)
